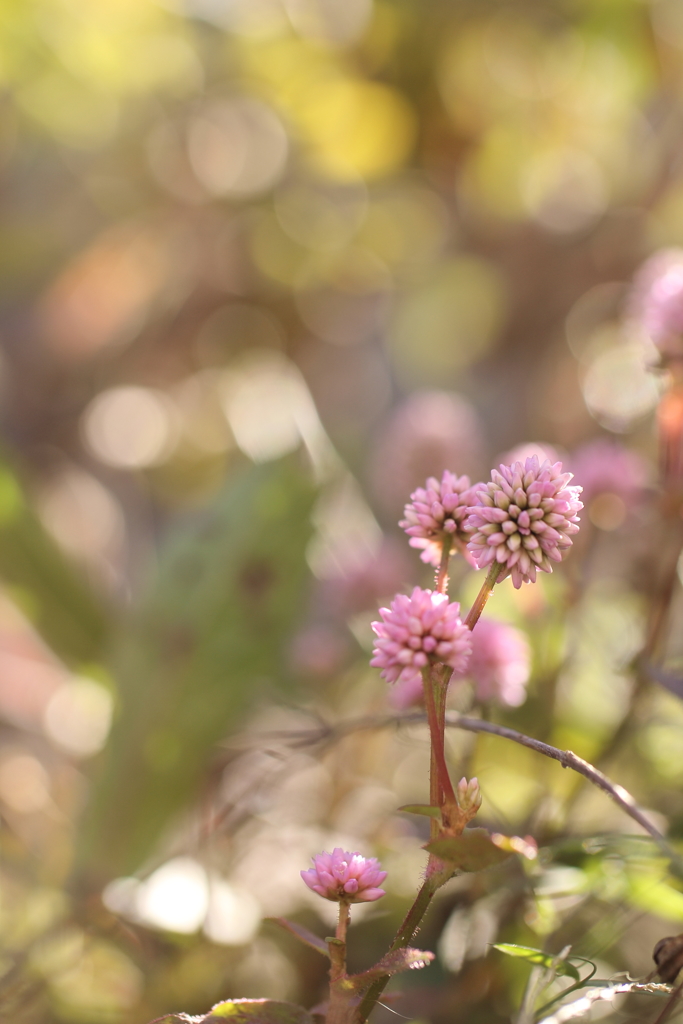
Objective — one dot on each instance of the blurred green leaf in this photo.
(539, 958)
(646, 889)
(206, 641)
(66, 612)
(474, 850)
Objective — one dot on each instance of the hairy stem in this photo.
(435, 702)
(340, 1009)
(404, 935)
(343, 923)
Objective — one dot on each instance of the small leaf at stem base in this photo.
(474, 850)
(302, 934)
(429, 812)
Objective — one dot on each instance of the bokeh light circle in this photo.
(130, 427)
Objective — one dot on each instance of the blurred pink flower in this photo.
(439, 509)
(406, 693)
(417, 630)
(361, 587)
(606, 467)
(345, 876)
(524, 519)
(526, 450)
(657, 299)
(429, 430)
(318, 650)
(501, 662)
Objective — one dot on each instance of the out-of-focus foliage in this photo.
(209, 634)
(264, 266)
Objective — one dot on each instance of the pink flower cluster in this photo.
(341, 875)
(438, 509)
(501, 662)
(417, 630)
(524, 519)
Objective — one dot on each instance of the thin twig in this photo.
(326, 735)
(580, 1007)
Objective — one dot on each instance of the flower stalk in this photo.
(493, 576)
(441, 792)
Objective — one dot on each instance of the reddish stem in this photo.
(440, 781)
(441, 582)
(484, 594)
(343, 923)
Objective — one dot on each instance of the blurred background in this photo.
(264, 266)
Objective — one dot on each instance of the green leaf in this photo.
(68, 614)
(258, 1011)
(398, 960)
(429, 812)
(302, 934)
(539, 958)
(474, 850)
(205, 643)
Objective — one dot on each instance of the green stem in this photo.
(403, 938)
(484, 594)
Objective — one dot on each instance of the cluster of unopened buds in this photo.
(519, 522)
(346, 876)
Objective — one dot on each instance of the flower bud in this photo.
(468, 796)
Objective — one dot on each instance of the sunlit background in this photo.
(264, 266)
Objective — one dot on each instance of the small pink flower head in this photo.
(345, 876)
(501, 662)
(437, 511)
(416, 630)
(657, 299)
(524, 519)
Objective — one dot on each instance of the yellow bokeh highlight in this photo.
(348, 127)
(355, 128)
